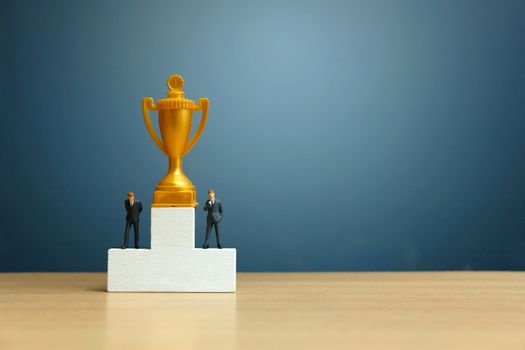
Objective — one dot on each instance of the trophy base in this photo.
(170, 198)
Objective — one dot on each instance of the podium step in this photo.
(148, 270)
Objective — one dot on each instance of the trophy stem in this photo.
(175, 166)
(175, 177)
(175, 189)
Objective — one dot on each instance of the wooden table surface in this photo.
(416, 310)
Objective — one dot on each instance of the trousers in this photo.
(126, 233)
(209, 226)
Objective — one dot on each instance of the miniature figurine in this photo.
(214, 208)
(133, 209)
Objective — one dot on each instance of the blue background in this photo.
(343, 135)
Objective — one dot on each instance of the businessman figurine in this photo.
(214, 208)
(133, 209)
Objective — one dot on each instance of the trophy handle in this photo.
(203, 105)
(147, 104)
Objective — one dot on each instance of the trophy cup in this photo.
(175, 118)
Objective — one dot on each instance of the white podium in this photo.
(173, 264)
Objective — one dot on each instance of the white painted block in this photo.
(172, 228)
(173, 264)
(149, 270)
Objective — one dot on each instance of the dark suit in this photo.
(213, 220)
(132, 218)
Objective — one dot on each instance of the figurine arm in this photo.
(220, 208)
(140, 207)
(206, 206)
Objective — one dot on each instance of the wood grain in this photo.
(420, 310)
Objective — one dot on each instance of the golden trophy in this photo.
(175, 113)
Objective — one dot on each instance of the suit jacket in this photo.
(214, 211)
(133, 212)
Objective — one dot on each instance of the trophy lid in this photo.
(175, 98)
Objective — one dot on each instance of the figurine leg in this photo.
(218, 234)
(207, 238)
(136, 230)
(126, 235)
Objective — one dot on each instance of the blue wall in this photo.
(343, 135)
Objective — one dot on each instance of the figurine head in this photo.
(131, 196)
(211, 193)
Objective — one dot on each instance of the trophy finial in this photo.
(175, 82)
